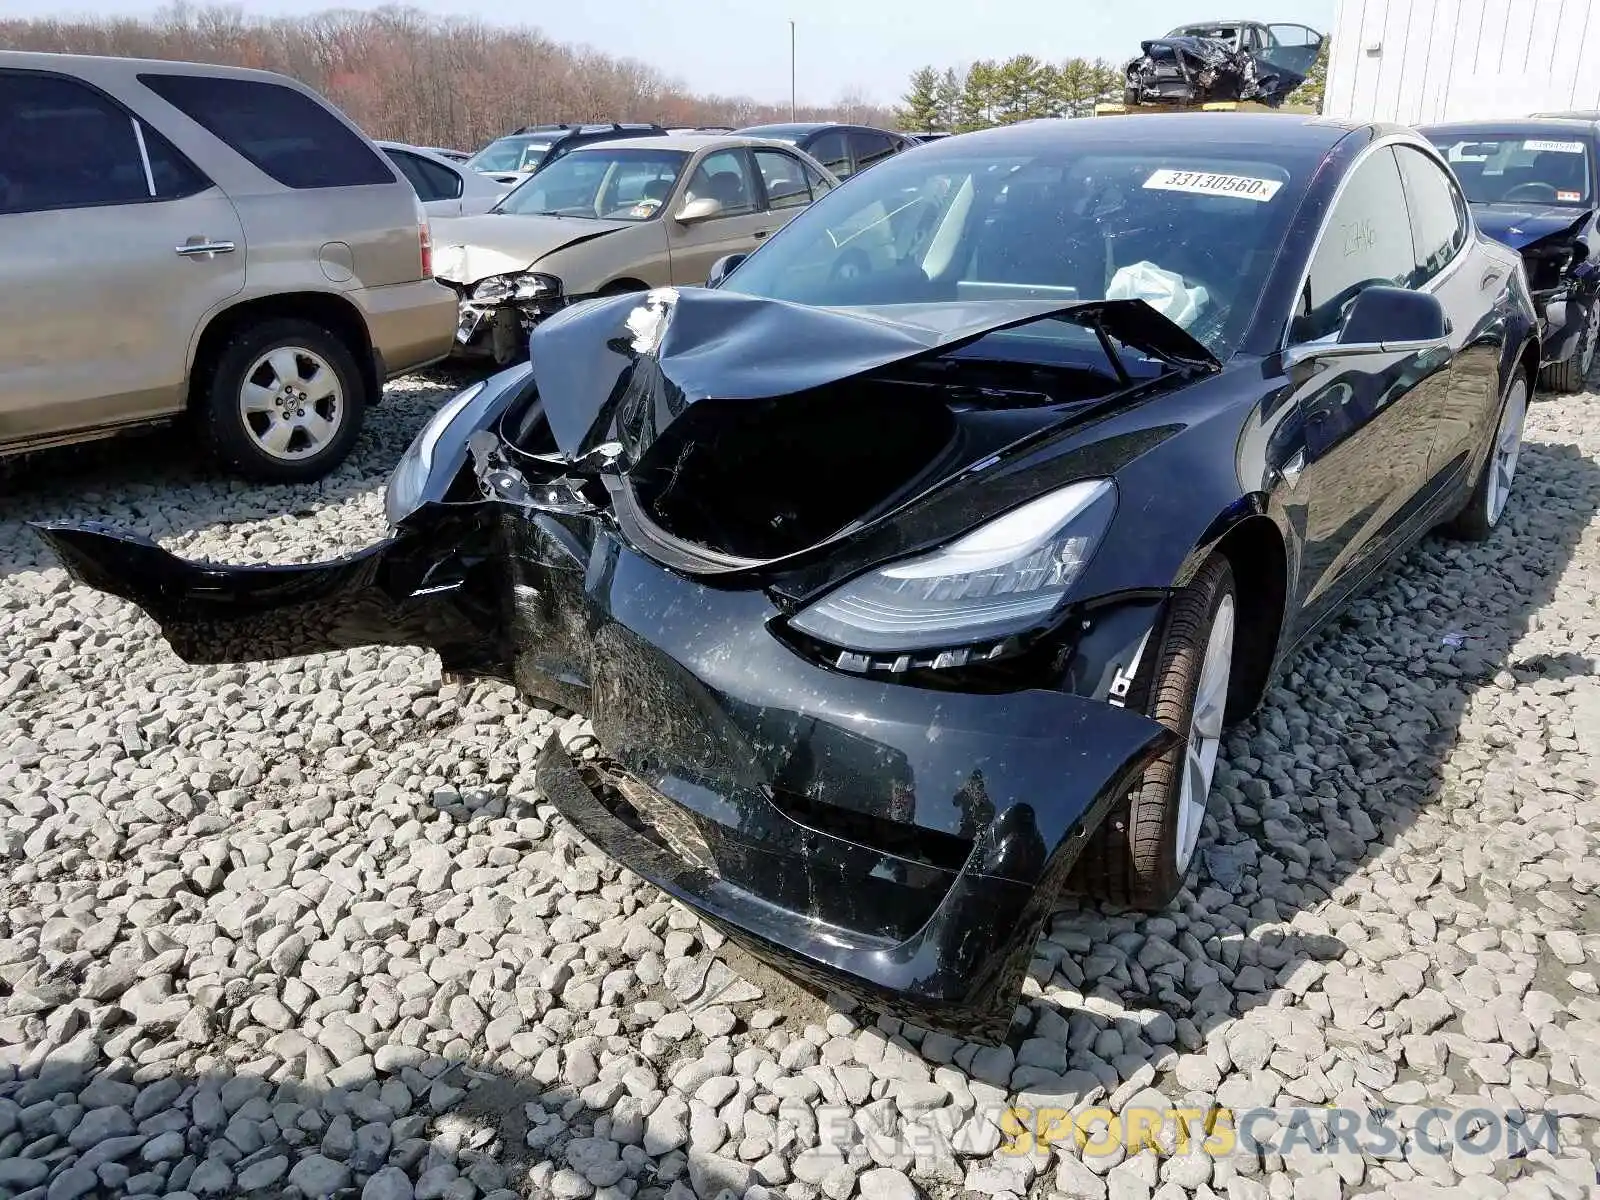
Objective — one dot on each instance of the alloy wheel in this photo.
(1205, 732)
(1506, 450)
(292, 403)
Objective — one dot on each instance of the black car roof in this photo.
(1516, 126)
(1291, 132)
(790, 128)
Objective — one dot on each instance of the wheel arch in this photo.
(338, 315)
(1256, 550)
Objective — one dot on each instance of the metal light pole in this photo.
(792, 109)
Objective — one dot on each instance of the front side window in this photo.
(279, 130)
(868, 149)
(617, 185)
(1439, 226)
(1366, 242)
(1194, 235)
(784, 179)
(1501, 168)
(829, 150)
(724, 176)
(63, 145)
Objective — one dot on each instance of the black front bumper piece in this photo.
(898, 844)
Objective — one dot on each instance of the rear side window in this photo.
(1438, 216)
(783, 178)
(432, 181)
(284, 132)
(65, 145)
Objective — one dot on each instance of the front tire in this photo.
(284, 403)
(1484, 508)
(1144, 851)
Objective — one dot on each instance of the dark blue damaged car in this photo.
(911, 573)
(1532, 184)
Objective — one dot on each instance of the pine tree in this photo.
(977, 107)
(949, 99)
(919, 110)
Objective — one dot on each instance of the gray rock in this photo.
(319, 1177)
(391, 1183)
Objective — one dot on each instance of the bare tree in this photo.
(401, 73)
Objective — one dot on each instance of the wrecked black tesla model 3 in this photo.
(1532, 184)
(910, 575)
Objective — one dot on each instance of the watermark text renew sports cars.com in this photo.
(1219, 1132)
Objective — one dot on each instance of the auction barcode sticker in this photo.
(1204, 183)
(1542, 147)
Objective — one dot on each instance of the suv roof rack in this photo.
(597, 127)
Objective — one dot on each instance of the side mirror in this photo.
(1390, 314)
(723, 267)
(1381, 320)
(701, 209)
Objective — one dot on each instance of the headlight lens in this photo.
(410, 478)
(523, 285)
(995, 581)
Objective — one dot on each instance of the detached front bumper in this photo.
(899, 844)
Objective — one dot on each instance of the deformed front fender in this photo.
(399, 591)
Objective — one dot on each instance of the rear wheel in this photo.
(284, 403)
(1143, 852)
(1570, 376)
(1483, 510)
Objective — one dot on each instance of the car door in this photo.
(1365, 423)
(739, 226)
(438, 187)
(1463, 402)
(1292, 48)
(116, 247)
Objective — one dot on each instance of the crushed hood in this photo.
(469, 249)
(1521, 225)
(622, 370)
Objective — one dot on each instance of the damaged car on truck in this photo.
(1222, 61)
(1532, 185)
(908, 599)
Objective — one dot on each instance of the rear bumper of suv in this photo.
(410, 324)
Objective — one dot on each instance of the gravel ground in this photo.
(305, 929)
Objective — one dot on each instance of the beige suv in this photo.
(183, 239)
(616, 216)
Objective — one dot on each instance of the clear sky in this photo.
(741, 47)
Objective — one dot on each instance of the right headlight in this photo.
(1000, 579)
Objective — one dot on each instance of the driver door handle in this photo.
(761, 233)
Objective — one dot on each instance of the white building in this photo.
(1416, 61)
